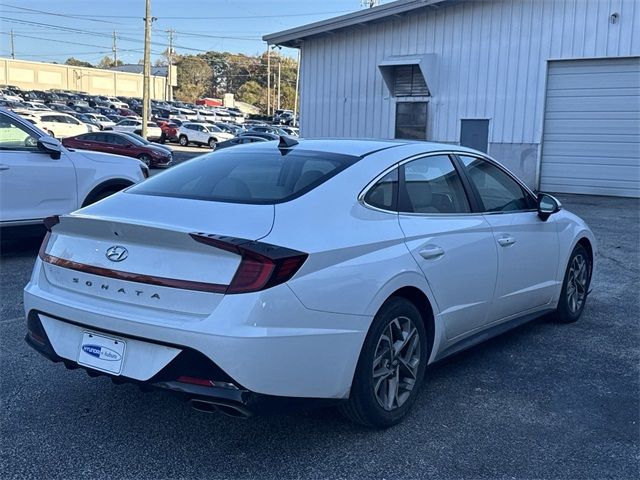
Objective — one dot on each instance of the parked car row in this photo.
(41, 176)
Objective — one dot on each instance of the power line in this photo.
(68, 54)
(101, 35)
(34, 11)
(241, 17)
(189, 34)
(69, 43)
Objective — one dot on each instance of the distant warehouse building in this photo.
(551, 88)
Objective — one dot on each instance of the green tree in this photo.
(77, 63)
(107, 62)
(194, 78)
(251, 92)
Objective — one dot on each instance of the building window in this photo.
(411, 120)
(408, 81)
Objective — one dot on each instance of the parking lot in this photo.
(182, 154)
(545, 400)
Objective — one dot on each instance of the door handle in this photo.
(431, 252)
(506, 240)
(4, 167)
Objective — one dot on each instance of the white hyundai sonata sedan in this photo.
(267, 275)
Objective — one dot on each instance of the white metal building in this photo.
(551, 88)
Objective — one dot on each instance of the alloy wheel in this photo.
(146, 159)
(577, 283)
(395, 363)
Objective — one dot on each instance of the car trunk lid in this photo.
(140, 243)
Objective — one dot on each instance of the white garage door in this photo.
(591, 141)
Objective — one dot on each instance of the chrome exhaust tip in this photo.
(209, 406)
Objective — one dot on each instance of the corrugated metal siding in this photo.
(491, 64)
(591, 140)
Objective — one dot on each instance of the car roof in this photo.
(360, 147)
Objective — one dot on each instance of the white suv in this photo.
(201, 134)
(134, 125)
(57, 124)
(39, 177)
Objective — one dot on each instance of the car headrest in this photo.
(307, 178)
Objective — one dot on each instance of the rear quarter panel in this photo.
(357, 255)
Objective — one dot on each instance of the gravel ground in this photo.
(545, 400)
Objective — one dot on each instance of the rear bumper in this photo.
(266, 342)
(225, 395)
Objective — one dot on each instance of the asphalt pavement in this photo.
(542, 401)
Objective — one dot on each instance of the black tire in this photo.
(144, 158)
(364, 406)
(213, 143)
(100, 196)
(183, 140)
(163, 139)
(570, 307)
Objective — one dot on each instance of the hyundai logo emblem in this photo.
(117, 253)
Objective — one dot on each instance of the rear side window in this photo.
(384, 193)
(263, 176)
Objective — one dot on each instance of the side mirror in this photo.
(547, 206)
(50, 145)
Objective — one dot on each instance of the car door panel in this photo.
(35, 186)
(527, 263)
(453, 245)
(458, 257)
(528, 248)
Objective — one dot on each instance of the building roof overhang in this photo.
(295, 36)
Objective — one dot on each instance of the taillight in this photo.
(262, 266)
(49, 223)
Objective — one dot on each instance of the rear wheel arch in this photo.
(422, 303)
(108, 187)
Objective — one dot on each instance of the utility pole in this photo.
(146, 101)
(170, 51)
(169, 63)
(268, 80)
(13, 50)
(114, 49)
(279, 62)
(295, 103)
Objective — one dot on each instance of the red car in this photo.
(126, 112)
(122, 144)
(169, 130)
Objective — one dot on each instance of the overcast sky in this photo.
(83, 28)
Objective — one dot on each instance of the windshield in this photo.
(264, 176)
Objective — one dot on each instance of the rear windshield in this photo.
(257, 177)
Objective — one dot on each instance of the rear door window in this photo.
(432, 185)
(263, 176)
